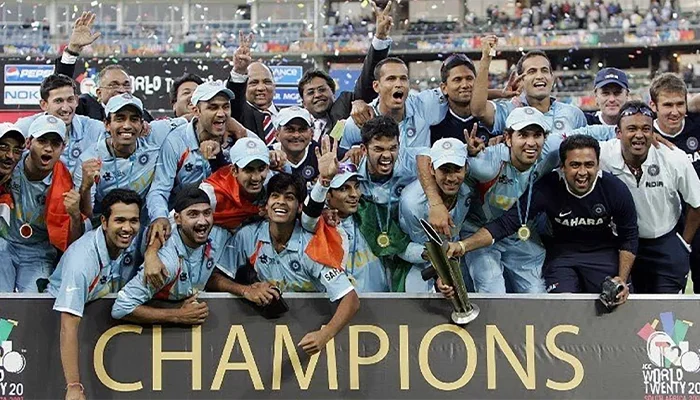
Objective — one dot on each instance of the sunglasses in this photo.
(633, 109)
(346, 168)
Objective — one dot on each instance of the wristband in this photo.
(82, 389)
(73, 53)
(462, 246)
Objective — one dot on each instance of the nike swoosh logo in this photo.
(71, 289)
(562, 215)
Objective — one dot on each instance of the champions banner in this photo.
(546, 347)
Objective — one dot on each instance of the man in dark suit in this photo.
(254, 87)
(111, 80)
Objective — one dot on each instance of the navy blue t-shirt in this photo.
(586, 231)
(453, 127)
(688, 139)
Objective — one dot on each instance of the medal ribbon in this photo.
(388, 214)
(20, 210)
(530, 182)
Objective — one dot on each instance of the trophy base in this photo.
(463, 318)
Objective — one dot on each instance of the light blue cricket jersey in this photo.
(82, 134)
(188, 272)
(29, 207)
(414, 205)
(180, 162)
(429, 107)
(135, 172)
(291, 270)
(563, 118)
(86, 272)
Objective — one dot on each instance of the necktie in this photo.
(319, 124)
(268, 128)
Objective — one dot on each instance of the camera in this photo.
(610, 289)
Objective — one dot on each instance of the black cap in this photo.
(189, 195)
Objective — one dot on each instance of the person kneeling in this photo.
(283, 254)
(189, 257)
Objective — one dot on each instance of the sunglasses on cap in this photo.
(633, 109)
(346, 168)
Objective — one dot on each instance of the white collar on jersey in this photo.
(568, 188)
(656, 126)
(600, 118)
(461, 118)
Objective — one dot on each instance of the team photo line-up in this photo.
(236, 195)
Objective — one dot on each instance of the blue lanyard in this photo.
(530, 182)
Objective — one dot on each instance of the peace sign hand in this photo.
(327, 158)
(383, 21)
(514, 86)
(82, 34)
(474, 143)
(242, 57)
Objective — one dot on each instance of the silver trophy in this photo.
(450, 273)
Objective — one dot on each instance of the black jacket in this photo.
(87, 104)
(252, 118)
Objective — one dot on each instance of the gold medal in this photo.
(383, 240)
(524, 233)
(26, 231)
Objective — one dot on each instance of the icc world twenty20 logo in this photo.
(671, 357)
(12, 362)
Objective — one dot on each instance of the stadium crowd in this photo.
(236, 195)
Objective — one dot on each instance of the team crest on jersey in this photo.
(75, 153)
(308, 172)
(398, 190)
(103, 280)
(295, 265)
(128, 259)
(41, 199)
(653, 170)
(188, 167)
(559, 125)
(143, 159)
(210, 263)
(692, 143)
(411, 131)
(505, 180)
(183, 277)
(598, 210)
(107, 176)
(263, 258)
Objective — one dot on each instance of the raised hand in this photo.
(474, 143)
(383, 21)
(91, 173)
(242, 57)
(327, 156)
(82, 34)
(514, 86)
(488, 47)
(71, 200)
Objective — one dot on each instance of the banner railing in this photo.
(397, 346)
